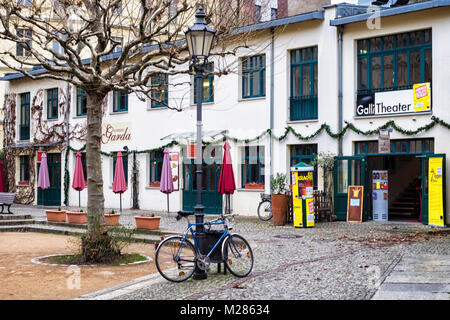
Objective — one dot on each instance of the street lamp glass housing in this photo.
(200, 37)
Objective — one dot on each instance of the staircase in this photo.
(407, 205)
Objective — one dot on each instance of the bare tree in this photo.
(105, 45)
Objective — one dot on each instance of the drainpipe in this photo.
(272, 73)
(340, 80)
(66, 165)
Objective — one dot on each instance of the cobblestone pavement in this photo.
(333, 260)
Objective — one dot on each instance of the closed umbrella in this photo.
(2, 178)
(78, 178)
(119, 183)
(166, 184)
(43, 178)
(227, 184)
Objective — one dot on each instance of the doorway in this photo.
(52, 195)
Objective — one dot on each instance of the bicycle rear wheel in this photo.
(238, 255)
(265, 210)
(175, 259)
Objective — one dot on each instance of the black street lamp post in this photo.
(199, 40)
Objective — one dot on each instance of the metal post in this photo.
(198, 273)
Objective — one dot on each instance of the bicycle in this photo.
(176, 256)
(265, 207)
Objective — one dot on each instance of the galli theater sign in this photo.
(116, 133)
(415, 100)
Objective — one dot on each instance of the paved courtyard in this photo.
(333, 260)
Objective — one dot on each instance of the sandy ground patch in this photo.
(21, 279)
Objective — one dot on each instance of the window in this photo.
(22, 49)
(117, 9)
(24, 116)
(273, 13)
(156, 162)
(208, 84)
(254, 77)
(160, 88)
(394, 62)
(81, 102)
(303, 100)
(117, 41)
(25, 3)
(257, 13)
(24, 168)
(397, 146)
(52, 103)
(120, 101)
(125, 166)
(304, 153)
(252, 167)
(173, 10)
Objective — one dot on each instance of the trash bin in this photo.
(207, 240)
(302, 195)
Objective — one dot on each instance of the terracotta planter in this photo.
(112, 219)
(154, 184)
(149, 223)
(56, 215)
(257, 186)
(279, 208)
(76, 217)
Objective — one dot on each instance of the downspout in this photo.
(272, 90)
(66, 165)
(340, 83)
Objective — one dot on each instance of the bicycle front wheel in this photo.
(265, 210)
(238, 255)
(175, 259)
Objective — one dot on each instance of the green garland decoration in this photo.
(324, 127)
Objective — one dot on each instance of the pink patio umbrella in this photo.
(2, 178)
(43, 178)
(119, 183)
(78, 178)
(166, 185)
(227, 184)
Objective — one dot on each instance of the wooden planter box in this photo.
(112, 219)
(149, 223)
(255, 186)
(154, 184)
(56, 215)
(76, 217)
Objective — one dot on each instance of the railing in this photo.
(303, 108)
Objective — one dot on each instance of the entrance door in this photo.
(52, 195)
(349, 171)
(433, 189)
(211, 198)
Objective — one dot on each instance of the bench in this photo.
(322, 206)
(7, 199)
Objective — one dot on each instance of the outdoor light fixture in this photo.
(199, 40)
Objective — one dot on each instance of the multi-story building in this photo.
(326, 80)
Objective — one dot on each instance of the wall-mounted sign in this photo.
(435, 192)
(415, 100)
(384, 141)
(116, 133)
(175, 165)
(355, 203)
(191, 151)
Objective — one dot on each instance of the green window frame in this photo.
(252, 166)
(400, 146)
(52, 103)
(304, 80)
(160, 90)
(125, 166)
(24, 116)
(156, 162)
(304, 153)
(254, 77)
(394, 62)
(81, 102)
(24, 168)
(208, 84)
(120, 101)
(26, 35)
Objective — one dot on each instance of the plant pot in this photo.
(149, 223)
(154, 184)
(56, 215)
(279, 208)
(254, 186)
(76, 217)
(112, 219)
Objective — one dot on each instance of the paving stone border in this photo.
(37, 260)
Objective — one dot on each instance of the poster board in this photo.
(435, 192)
(355, 203)
(175, 166)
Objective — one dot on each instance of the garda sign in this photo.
(415, 100)
(113, 133)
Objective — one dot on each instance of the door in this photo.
(211, 198)
(52, 195)
(433, 189)
(348, 171)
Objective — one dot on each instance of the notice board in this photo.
(355, 203)
(435, 192)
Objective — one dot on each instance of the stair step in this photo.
(14, 217)
(15, 222)
(401, 209)
(404, 204)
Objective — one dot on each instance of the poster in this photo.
(175, 166)
(355, 203)
(435, 192)
(384, 141)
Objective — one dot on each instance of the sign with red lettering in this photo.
(113, 133)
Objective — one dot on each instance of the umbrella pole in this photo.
(120, 203)
(79, 199)
(167, 204)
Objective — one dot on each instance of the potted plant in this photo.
(279, 199)
(154, 184)
(112, 218)
(146, 221)
(78, 217)
(56, 215)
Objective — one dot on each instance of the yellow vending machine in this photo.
(302, 195)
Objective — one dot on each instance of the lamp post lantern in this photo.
(199, 40)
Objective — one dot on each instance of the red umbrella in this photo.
(78, 177)
(119, 183)
(2, 178)
(226, 180)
